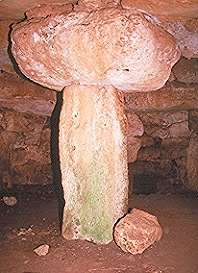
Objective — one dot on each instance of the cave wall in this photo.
(167, 159)
(167, 148)
(24, 149)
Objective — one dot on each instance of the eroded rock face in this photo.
(192, 166)
(162, 156)
(5, 61)
(192, 153)
(25, 97)
(186, 71)
(24, 149)
(135, 130)
(93, 161)
(117, 47)
(164, 9)
(14, 9)
(181, 21)
(22, 96)
(173, 96)
(137, 231)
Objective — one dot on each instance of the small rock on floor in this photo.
(137, 231)
(9, 200)
(42, 250)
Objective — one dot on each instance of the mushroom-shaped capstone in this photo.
(93, 52)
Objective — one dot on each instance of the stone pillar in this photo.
(93, 161)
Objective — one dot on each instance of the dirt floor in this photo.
(33, 221)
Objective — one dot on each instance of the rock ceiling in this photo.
(172, 9)
(15, 9)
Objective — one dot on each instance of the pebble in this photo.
(10, 200)
(42, 250)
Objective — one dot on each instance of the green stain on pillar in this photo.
(95, 217)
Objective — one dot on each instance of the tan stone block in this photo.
(93, 161)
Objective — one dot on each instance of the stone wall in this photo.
(167, 149)
(161, 162)
(24, 149)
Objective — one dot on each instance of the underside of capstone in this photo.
(93, 161)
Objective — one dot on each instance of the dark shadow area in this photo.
(55, 155)
(144, 184)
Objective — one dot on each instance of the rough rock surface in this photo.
(186, 37)
(186, 71)
(15, 9)
(162, 157)
(166, 125)
(24, 149)
(164, 9)
(181, 21)
(118, 48)
(135, 130)
(137, 231)
(95, 186)
(5, 61)
(23, 96)
(192, 163)
(193, 120)
(161, 161)
(173, 96)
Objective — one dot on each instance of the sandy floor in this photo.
(34, 221)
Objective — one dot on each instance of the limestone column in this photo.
(93, 160)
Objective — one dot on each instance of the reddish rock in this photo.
(135, 125)
(91, 52)
(24, 96)
(179, 130)
(42, 11)
(193, 120)
(137, 231)
(93, 161)
(164, 9)
(135, 130)
(14, 9)
(111, 52)
(186, 71)
(24, 149)
(192, 163)
(173, 96)
(180, 21)
(133, 146)
(186, 39)
(166, 124)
